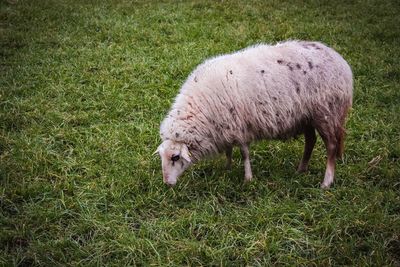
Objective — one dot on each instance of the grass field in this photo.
(84, 86)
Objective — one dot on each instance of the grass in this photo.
(83, 88)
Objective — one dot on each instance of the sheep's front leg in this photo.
(228, 153)
(244, 149)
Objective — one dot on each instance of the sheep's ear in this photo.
(157, 150)
(185, 153)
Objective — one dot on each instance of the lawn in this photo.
(84, 86)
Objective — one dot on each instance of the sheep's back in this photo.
(268, 91)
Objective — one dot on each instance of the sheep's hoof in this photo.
(325, 186)
(248, 179)
(301, 169)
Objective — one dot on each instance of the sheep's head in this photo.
(175, 159)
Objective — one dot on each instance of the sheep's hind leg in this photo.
(333, 137)
(310, 139)
(330, 166)
(248, 176)
(327, 133)
(228, 153)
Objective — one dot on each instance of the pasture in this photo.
(84, 86)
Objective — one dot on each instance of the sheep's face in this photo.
(175, 159)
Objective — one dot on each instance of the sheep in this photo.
(261, 92)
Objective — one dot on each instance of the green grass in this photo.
(84, 86)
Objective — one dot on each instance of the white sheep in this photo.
(261, 92)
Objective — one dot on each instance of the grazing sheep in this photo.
(261, 92)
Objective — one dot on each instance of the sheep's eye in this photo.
(175, 158)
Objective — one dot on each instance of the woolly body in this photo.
(261, 92)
